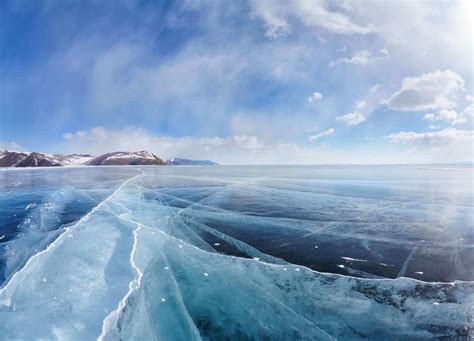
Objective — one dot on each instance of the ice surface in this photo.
(230, 253)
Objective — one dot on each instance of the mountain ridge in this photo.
(17, 159)
(189, 162)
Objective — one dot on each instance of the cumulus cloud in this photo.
(315, 96)
(277, 17)
(431, 91)
(452, 116)
(351, 118)
(443, 137)
(316, 137)
(447, 115)
(363, 58)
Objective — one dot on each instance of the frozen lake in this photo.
(241, 252)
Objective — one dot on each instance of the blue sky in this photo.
(262, 81)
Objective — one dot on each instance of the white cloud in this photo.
(360, 104)
(351, 118)
(363, 57)
(447, 115)
(407, 29)
(429, 117)
(360, 58)
(459, 120)
(316, 137)
(315, 96)
(440, 146)
(443, 137)
(277, 17)
(469, 110)
(431, 91)
(433, 127)
(451, 116)
(374, 88)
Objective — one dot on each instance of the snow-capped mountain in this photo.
(126, 158)
(33, 159)
(188, 162)
(11, 158)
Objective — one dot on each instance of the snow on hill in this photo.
(126, 158)
(74, 160)
(10, 158)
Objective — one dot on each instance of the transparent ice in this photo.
(237, 253)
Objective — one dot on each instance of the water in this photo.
(315, 252)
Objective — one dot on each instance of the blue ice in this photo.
(230, 253)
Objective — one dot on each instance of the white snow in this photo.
(75, 160)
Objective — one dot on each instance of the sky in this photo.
(240, 82)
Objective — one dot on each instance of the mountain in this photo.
(10, 158)
(38, 160)
(188, 162)
(126, 158)
(19, 159)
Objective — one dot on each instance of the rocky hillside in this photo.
(33, 159)
(10, 158)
